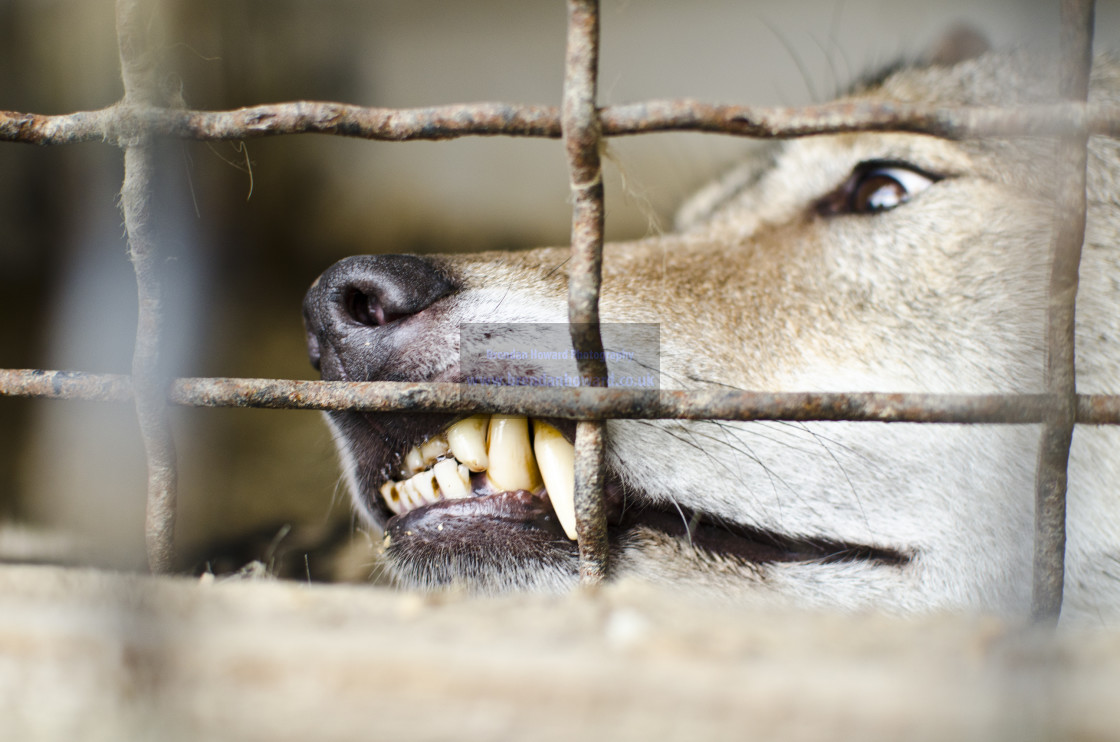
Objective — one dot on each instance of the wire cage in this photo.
(145, 115)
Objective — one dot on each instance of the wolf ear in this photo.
(959, 44)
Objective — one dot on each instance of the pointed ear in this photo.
(959, 44)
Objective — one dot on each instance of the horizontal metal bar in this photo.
(73, 385)
(586, 403)
(860, 116)
(121, 124)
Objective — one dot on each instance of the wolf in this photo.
(878, 262)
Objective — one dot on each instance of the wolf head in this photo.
(882, 262)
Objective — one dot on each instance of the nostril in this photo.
(351, 312)
(373, 291)
(364, 308)
(368, 309)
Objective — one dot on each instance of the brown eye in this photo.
(874, 187)
(878, 192)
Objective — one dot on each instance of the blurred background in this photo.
(255, 223)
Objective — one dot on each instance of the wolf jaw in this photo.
(863, 262)
(446, 501)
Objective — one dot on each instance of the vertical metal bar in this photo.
(591, 518)
(138, 73)
(1068, 236)
(582, 139)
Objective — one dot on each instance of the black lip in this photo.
(454, 522)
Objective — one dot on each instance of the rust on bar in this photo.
(582, 403)
(78, 385)
(118, 122)
(1068, 235)
(297, 117)
(598, 403)
(1098, 409)
(582, 139)
(964, 122)
(138, 73)
(591, 515)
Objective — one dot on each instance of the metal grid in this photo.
(141, 116)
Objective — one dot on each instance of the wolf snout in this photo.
(356, 308)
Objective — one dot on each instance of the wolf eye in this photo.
(876, 186)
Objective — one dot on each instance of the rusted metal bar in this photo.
(568, 403)
(1068, 236)
(836, 118)
(117, 123)
(138, 72)
(591, 513)
(590, 403)
(582, 139)
(76, 385)
(299, 117)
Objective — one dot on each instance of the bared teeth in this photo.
(556, 460)
(418, 491)
(410, 498)
(511, 457)
(413, 461)
(390, 493)
(498, 445)
(432, 449)
(425, 484)
(454, 479)
(423, 456)
(412, 493)
(467, 440)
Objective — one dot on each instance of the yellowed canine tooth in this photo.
(467, 439)
(390, 493)
(556, 459)
(453, 478)
(511, 456)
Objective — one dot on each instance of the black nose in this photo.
(362, 294)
